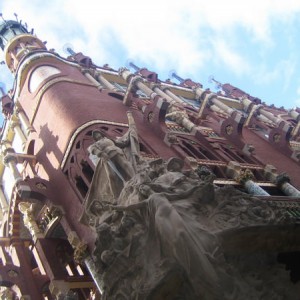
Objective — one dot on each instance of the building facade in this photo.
(118, 185)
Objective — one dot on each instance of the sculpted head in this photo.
(145, 190)
(175, 164)
(97, 135)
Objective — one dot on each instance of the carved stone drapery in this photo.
(162, 237)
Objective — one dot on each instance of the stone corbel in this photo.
(232, 127)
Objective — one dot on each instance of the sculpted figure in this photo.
(106, 150)
(112, 171)
(179, 234)
(168, 222)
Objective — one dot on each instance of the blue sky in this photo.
(253, 45)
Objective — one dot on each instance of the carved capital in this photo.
(11, 157)
(6, 147)
(136, 79)
(281, 179)
(80, 248)
(154, 85)
(125, 73)
(27, 208)
(244, 176)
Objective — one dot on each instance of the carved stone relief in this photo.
(160, 235)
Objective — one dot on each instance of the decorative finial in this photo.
(211, 79)
(16, 17)
(69, 49)
(173, 74)
(131, 64)
(2, 18)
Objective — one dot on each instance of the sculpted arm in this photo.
(130, 207)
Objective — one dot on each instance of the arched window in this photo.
(79, 168)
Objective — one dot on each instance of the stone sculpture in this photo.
(165, 232)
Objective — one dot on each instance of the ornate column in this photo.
(283, 183)
(24, 121)
(167, 94)
(296, 116)
(281, 180)
(199, 93)
(10, 160)
(3, 201)
(136, 81)
(175, 114)
(106, 83)
(221, 105)
(270, 116)
(244, 177)
(157, 90)
(264, 119)
(92, 79)
(15, 125)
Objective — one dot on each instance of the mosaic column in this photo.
(283, 183)
(245, 178)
